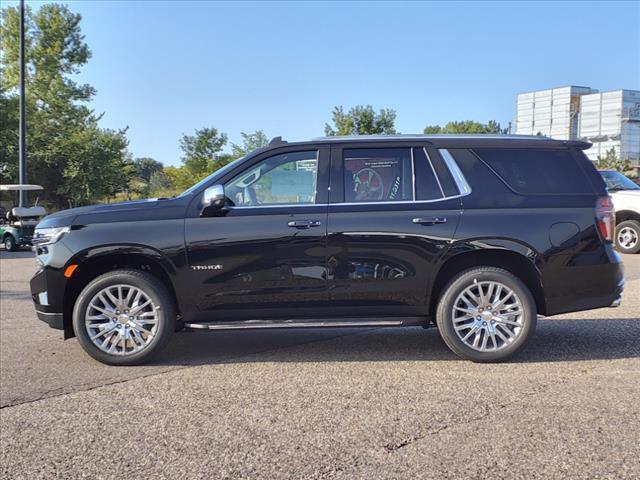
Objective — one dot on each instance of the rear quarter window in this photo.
(537, 171)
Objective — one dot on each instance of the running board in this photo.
(257, 324)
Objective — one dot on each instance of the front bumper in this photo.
(617, 302)
(46, 292)
(54, 320)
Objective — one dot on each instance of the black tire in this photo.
(154, 289)
(634, 227)
(457, 285)
(10, 244)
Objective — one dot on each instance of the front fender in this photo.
(126, 250)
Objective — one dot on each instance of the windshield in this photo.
(617, 181)
(221, 171)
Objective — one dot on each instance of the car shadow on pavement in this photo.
(555, 341)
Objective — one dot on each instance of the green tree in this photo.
(159, 184)
(250, 142)
(96, 164)
(64, 142)
(202, 152)
(145, 167)
(610, 161)
(8, 138)
(180, 178)
(361, 120)
(432, 130)
(494, 127)
(466, 126)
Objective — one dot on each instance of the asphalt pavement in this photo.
(340, 403)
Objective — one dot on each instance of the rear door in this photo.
(393, 211)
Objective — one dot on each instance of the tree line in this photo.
(78, 162)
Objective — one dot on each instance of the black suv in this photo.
(475, 234)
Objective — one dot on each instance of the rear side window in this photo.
(446, 179)
(427, 185)
(377, 175)
(540, 171)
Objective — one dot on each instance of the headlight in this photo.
(47, 236)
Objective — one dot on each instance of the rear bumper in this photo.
(583, 282)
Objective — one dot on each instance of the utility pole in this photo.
(23, 127)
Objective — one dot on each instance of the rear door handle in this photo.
(304, 223)
(429, 220)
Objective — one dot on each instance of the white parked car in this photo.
(626, 201)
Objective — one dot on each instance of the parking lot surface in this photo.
(364, 404)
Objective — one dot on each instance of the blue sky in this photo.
(167, 68)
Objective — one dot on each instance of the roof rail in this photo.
(277, 141)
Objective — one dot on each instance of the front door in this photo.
(390, 218)
(266, 255)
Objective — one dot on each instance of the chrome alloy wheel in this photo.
(487, 316)
(121, 320)
(627, 238)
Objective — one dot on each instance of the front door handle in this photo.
(429, 220)
(303, 223)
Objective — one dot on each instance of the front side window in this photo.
(377, 175)
(285, 179)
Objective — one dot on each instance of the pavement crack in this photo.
(488, 410)
(392, 447)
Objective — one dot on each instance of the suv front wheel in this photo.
(486, 314)
(124, 317)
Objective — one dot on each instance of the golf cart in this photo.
(17, 223)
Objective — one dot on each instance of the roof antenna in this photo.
(276, 141)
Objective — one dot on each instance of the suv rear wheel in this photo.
(486, 314)
(124, 317)
(628, 236)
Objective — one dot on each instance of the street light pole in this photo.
(23, 128)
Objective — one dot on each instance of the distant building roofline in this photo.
(594, 90)
(615, 90)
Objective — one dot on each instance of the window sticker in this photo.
(373, 179)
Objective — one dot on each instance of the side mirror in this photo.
(213, 201)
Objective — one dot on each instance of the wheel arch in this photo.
(519, 261)
(95, 262)
(7, 233)
(624, 215)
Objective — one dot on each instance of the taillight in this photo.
(606, 218)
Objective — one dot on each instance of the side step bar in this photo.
(310, 323)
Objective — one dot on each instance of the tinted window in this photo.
(444, 175)
(289, 178)
(537, 171)
(377, 175)
(427, 187)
